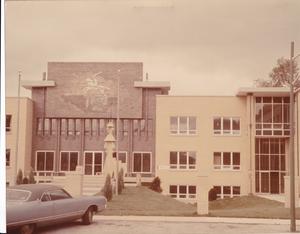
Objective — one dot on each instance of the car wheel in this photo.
(27, 229)
(87, 218)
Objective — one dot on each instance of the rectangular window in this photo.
(95, 123)
(71, 126)
(47, 126)
(183, 125)
(272, 116)
(8, 123)
(44, 161)
(102, 127)
(224, 191)
(125, 126)
(227, 160)
(63, 127)
(183, 160)
(7, 157)
(122, 156)
(77, 126)
(142, 162)
(39, 126)
(68, 161)
(87, 127)
(182, 191)
(150, 127)
(135, 127)
(143, 127)
(53, 126)
(226, 126)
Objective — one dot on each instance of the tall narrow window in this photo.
(63, 127)
(125, 127)
(87, 127)
(7, 157)
(77, 126)
(95, 127)
(47, 126)
(71, 126)
(39, 126)
(150, 127)
(143, 127)
(8, 123)
(135, 127)
(53, 126)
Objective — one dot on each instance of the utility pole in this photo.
(117, 129)
(291, 146)
(17, 129)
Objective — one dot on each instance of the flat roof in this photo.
(29, 84)
(152, 84)
(263, 91)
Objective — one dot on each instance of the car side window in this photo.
(45, 197)
(59, 194)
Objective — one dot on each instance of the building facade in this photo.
(239, 144)
(71, 109)
(18, 137)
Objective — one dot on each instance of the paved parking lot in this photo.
(157, 227)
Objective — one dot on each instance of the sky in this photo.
(202, 47)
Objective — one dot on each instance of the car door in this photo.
(65, 207)
(45, 210)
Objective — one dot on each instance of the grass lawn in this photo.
(143, 201)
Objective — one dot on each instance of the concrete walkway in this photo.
(197, 219)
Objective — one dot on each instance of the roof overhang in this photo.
(152, 84)
(29, 84)
(263, 91)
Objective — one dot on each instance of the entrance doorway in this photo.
(93, 163)
(270, 165)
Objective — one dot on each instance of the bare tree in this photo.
(280, 75)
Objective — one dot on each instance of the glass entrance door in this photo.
(270, 164)
(93, 163)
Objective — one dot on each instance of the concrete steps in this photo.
(92, 184)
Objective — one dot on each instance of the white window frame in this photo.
(186, 166)
(222, 132)
(142, 152)
(188, 131)
(222, 195)
(45, 151)
(93, 163)
(226, 167)
(65, 151)
(186, 195)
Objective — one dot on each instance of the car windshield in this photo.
(17, 195)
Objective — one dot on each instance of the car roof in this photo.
(36, 189)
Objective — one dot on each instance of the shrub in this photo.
(155, 185)
(25, 180)
(121, 181)
(107, 189)
(19, 177)
(31, 179)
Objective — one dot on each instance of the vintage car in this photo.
(33, 205)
